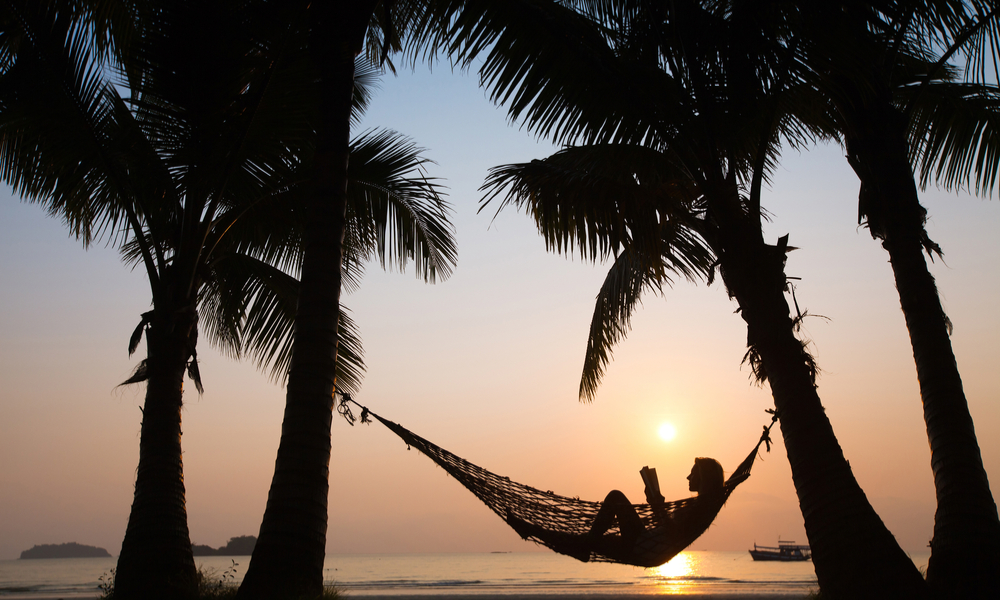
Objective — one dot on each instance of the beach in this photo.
(749, 595)
(746, 595)
(465, 576)
(741, 596)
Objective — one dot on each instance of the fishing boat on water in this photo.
(785, 551)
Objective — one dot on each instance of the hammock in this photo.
(560, 523)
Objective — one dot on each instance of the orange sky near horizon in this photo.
(487, 365)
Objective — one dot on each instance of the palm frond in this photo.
(955, 135)
(554, 70)
(56, 109)
(630, 202)
(396, 212)
(601, 199)
(350, 354)
(632, 273)
(977, 37)
(139, 374)
(627, 279)
(248, 308)
(366, 77)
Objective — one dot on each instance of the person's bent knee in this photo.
(616, 497)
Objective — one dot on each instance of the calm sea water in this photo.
(454, 574)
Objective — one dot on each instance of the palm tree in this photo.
(203, 190)
(395, 214)
(161, 172)
(288, 559)
(898, 106)
(649, 80)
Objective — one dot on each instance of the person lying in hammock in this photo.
(674, 526)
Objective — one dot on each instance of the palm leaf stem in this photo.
(151, 159)
(144, 249)
(236, 158)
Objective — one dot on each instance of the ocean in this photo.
(689, 573)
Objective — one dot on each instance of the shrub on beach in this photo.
(211, 585)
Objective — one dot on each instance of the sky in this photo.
(487, 365)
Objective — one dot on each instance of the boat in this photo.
(785, 551)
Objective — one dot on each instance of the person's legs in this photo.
(617, 505)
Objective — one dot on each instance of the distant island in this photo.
(238, 546)
(70, 550)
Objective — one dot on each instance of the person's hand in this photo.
(654, 498)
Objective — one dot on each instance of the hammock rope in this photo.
(561, 522)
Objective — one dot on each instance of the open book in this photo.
(652, 484)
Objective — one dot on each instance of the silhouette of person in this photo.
(706, 479)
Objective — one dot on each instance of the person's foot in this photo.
(579, 546)
(522, 527)
(559, 542)
(577, 551)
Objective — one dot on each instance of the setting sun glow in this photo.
(675, 577)
(667, 432)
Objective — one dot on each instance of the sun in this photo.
(667, 432)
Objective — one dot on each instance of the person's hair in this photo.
(712, 478)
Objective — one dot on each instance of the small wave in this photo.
(803, 581)
(453, 585)
(408, 583)
(47, 590)
(690, 578)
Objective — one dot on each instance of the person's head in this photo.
(706, 476)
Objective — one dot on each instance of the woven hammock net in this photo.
(558, 522)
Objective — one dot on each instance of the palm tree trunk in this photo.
(854, 554)
(156, 560)
(965, 550)
(288, 558)
(287, 561)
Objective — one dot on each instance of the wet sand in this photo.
(710, 596)
(748, 595)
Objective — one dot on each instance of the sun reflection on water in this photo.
(678, 575)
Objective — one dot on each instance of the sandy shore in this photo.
(694, 594)
(741, 596)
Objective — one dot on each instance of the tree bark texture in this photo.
(288, 559)
(854, 554)
(156, 560)
(965, 550)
